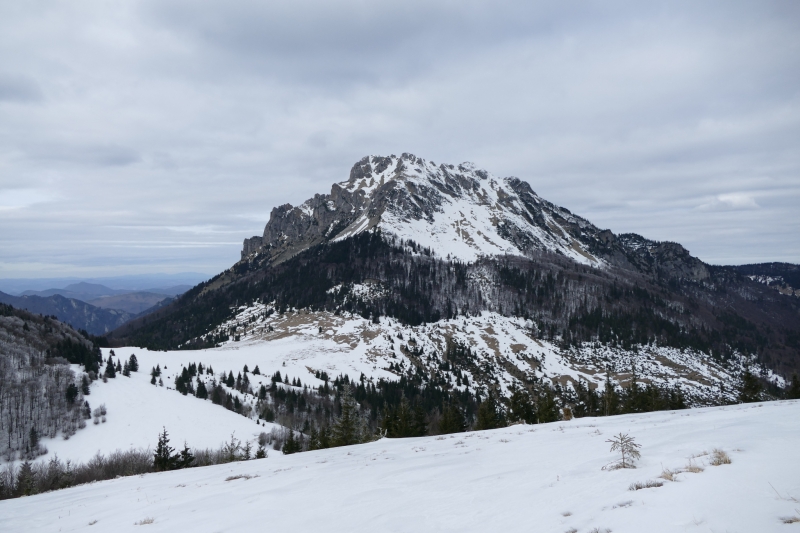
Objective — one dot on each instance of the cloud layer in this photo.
(154, 136)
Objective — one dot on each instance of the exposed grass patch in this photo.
(566, 513)
(719, 457)
(790, 519)
(144, 521)
(669, 475)
(693, 468)
(239, 476)
(598, 530)
(649, 484)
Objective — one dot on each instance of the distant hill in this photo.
(77, 313)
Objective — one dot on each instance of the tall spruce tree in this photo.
(164, 457)
(348, 427)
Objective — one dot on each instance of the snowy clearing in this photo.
(547, 477)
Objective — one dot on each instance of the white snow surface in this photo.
(546, 477)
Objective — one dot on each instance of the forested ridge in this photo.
(572, 303)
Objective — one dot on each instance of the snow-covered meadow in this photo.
(546, 477)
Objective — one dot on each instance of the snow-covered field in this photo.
(548, 477)
(137, 411)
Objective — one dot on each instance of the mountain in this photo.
(424, 246)
(132, 302)
(76, 313)
(783, 277)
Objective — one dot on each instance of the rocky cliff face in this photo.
(461, 213)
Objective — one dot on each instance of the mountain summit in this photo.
(458, 212)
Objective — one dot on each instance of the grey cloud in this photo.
(19, 89)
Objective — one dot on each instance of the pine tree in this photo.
(245, 370)
(119, 366)
(133, 363)
(230, 382)
(126, 371)
(111, 371)
(85, 385)
(750, 387)
(291, 445)
(546, 407)
(72, 393)
(202, 392)
(521, 407)
(488, 415)
(452, 420)
(347, 429)
(164, 458)
(186, 457)
(25, 480)
(256, 371)
(793, 393)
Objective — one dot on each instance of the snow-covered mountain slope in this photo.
(458, 212)
(549, 477)
(505, 351)
(137, 411)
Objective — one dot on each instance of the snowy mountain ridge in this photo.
(459, 212)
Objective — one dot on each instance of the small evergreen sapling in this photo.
(628, 449)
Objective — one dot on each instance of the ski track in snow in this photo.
(546, 477)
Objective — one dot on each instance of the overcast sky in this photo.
(153, 136)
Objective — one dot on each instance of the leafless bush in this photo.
(693, 468)
(144, 521)
(719, 457)
(649, 484)
(669, 475)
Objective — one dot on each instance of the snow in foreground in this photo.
(522, 478)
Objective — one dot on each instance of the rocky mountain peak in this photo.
(457, 211)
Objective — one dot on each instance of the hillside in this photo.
(548, 477)
(41, 396)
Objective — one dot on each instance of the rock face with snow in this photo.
(462, 213)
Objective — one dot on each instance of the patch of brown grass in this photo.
(693, 468)
(239, 476)
(669, 475)
(649, 484)
(144, 521)
(719, 457)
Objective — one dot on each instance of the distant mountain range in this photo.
(93, 307)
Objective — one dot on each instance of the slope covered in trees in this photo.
(40, 395)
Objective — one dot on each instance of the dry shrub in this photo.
(719, 457)
(669, 475)
(649, 484)
(693, 468)
(566, 513)
(598, 530)
(144, 521)
(571, 530)
(790, 519)
(239, 476)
